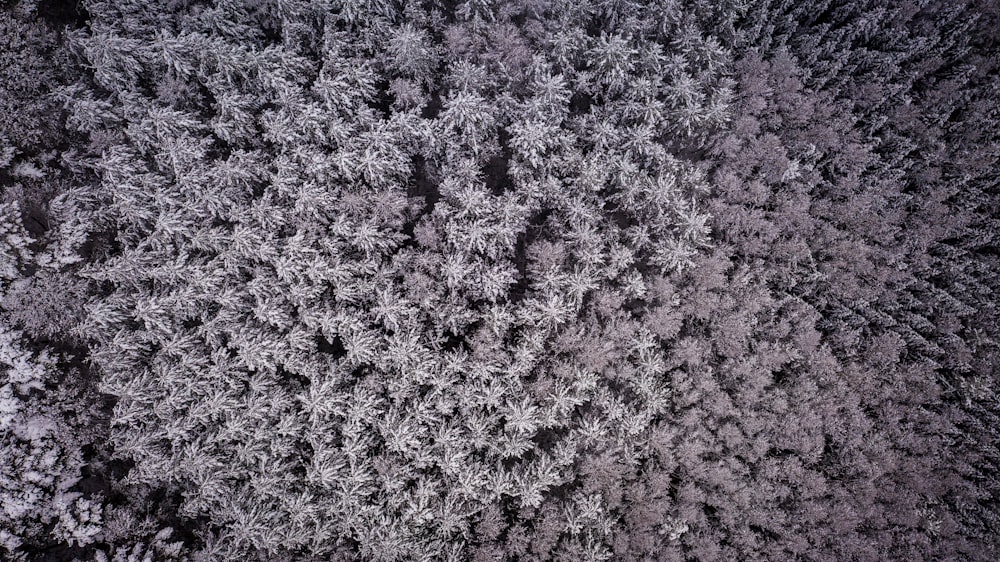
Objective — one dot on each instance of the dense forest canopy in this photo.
(679, 280)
